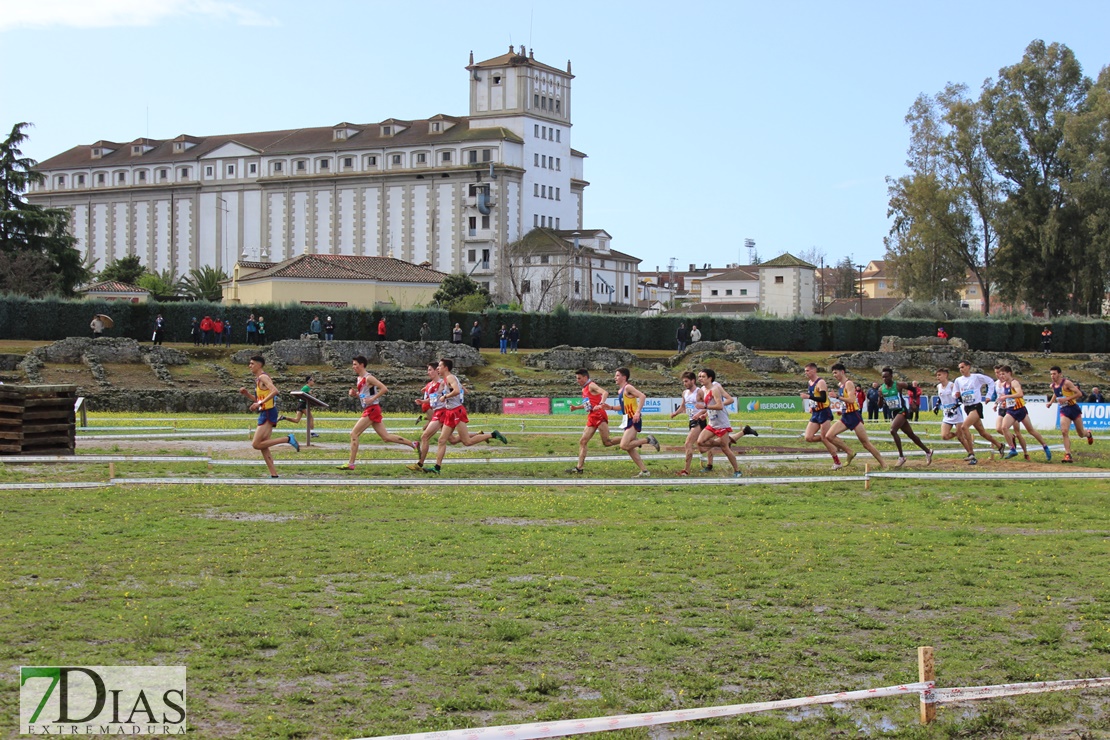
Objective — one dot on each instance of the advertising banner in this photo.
(562, 405)
(784, 404)
(526, 406)
(1095, 415)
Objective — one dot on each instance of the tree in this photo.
(455, 288)
(161, 285)
(27, 273)
(123, 270)
(540, 270)
(204, 284)
(31, 229)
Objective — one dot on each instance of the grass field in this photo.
(385, 606)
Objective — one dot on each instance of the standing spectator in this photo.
(942, 333)
(329, 329)
(425, 332)
(503, 339)
(206, 330)
(873, 398)
(514, 338)
(252, 330)
(381, 329)
(1095, 396)
(261, 331)
(860, 396)
(96, 326)
(227, 333)
(476, 336)
(1046, 341)
(695, 334)
(680, 336)
(159, 329)
(913, 391)
(217, 331)
(314, 327)
(194, 332)
(456, 335)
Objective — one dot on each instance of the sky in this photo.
(705, 123)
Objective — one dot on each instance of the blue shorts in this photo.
(1018, 414)
(268, 415)
(820, 417)
(852, 419)
(1072, 411)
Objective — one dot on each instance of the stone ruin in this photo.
(338, 354)
(95, 353)
(733, 351)
(565, 357)
(930, 352)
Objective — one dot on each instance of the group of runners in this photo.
(705, 403)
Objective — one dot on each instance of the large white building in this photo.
(448, 191)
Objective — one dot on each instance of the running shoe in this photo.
(928, 458)
(707, 468)
(434, 469)
(1047, 454)
(643, 474)
(416, 468)
(1001, 448)
(273, 476)
(1012, 453)
(1067, 458)
(499, 437)
(315, 435)
(900, 463)
(575, 471)
(838, 466)
(415, 447)
(346, 467)
(749, 432)
(849, 458)
(972, 461)
(296, 445)
(283, 417)
(683, 473)
(418, 420)
(737, 474)
(651, 440)
(1090, 438)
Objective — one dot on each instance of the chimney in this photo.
(691, 267)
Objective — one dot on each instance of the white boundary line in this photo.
(52, 486)
(1056, 474)
(99, 458)
(432, 481)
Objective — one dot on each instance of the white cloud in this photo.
(114, 13)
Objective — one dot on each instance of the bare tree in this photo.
(540, 270)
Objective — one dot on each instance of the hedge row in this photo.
(22, 318)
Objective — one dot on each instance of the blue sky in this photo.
(704, 123)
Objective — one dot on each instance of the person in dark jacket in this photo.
(476, 336)
(514, 338)
(680, 336)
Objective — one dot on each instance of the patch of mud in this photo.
(519, 522)
(242, 516)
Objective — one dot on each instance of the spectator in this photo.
(503, 339)
(159, 329)
(261, 331)
(1095, 396)
(314, 327)
(252, 330)
(942, 333)
(476, 336)
(860, 396)
(381, 329)
(96, 326)
(329, 329)
(456, 335)
(206, 330)
(194, 332)
(514, 338)
(913, 392)
(680, 336)
(425, 332)
(873, 399)
(227, 333)
(1046, 341)
(695, 334)
(217, 331)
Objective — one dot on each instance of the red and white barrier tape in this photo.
(971, 693)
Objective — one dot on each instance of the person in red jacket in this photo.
(206, 330)
(381, 329)
(217, 331)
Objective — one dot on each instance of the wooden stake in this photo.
(926, 671)
(111, 470)
(866, 476)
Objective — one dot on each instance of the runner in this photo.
(970, 386)
(1000, 407)
(369, 391)
(265, 403)
(594, 399)
(691, 395)
(630, 401)
(821, 417)
(453, 416)
(302, 404)
(850, 416)
(717, 426)
(1016, 413)
(430, 404)
(948, 401)
(891, 392)
(1067, 394)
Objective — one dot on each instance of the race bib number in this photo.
(968, 397)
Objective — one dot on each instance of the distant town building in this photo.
(787, 287)
(113, 290)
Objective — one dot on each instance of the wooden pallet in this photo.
(37, 419)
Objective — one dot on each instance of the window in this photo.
(81, 180)
(602, 263)
(277, 166)
(527, 259)
(100, 178)
(778, 278)
(142, 176)
(487, 155)
(497, 80)
(545, 259)
(543, 191)
(340, 134)
(472, 157)
(136, 150)
(556, 222)
(535, 220)
(556, 106)
(882, 284)
(163, 174)
(231, 170)
(743, 291)
(485, 222)
(559, 163)
(121, 177)
(348, 162)
(712, 292)
(208, 171)
(473, 255)
(447, 156)
(324, 165)
(60, 181)
(576, 286)
(535, 190)
(387, 131)
(421, 158)
(536, 130)
(728, 291)
(526, 286)
(557, 131)
(301, 165)
(545, 284)
(396, 159)
(372, 161)
(436, 126)
(626, 291)
(535, 100)
(184, 173)
(535, 160)
(543, 161)
(485, 258)
(557, 193)
(472, 225)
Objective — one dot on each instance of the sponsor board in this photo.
(786, 404)
(102, 700)
(526, 406)
(1095, 415)
(562, 405)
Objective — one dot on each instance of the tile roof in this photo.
(113, 286)
(347, 267)
(512, 59)
(747, 272)
(787, 260)
(872, 307)
(542, 240)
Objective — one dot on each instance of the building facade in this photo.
(450, 192)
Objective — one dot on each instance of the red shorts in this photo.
(438, 415)
(597, 417)
(373, 412)
(425, 405)
(719, 432)
(453, 417)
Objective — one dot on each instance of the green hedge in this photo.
(22, 318)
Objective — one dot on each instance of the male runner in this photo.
(630, 401)
(1067, 394)
(453, 416)
(970, 386)
(821, 416)
(430, 403)
(948, 401)
(302, 404)
(369, 390)
(850, 416)
(1016, 413)
(594, 399)
(1000, 406)
(891, 392)
(691, 395)
(265, 403)
(717, 426)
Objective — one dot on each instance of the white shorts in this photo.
(953, 416)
